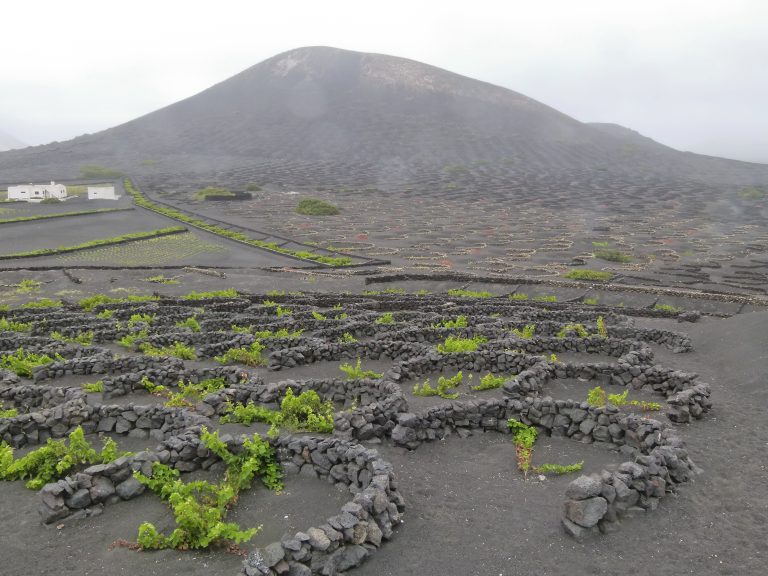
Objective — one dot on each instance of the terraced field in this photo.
(367, 357)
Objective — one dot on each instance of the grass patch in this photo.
(96, 243)
(61, 215)
(316, 207)
(592, 275)
(204, 193)
(469, 293)
(613, 256)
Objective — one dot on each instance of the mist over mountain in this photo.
(325, 116)
(8, 142)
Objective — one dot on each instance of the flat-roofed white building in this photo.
(37, 192)
(102, 193)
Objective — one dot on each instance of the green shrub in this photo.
(469, 293)
(385, 318)
(190, 393)
(613, 256)
(518, 297)
(347, 338)
(316, 207)
(302, 413)
(318, 316)
(455, 344)
(26, 286)
(545, 298)
(226, 293)
(23, 363)
(250, 356)
(94, 387)
(176, 350)
(357, 373)
(602, 331)
(54, 460)
(12, 326)
(7, 413)
(91, 302)
(526, 333)
(591, 301)
(592, 275)
(490, 382)
(459, 322)
(131, 338)
(573, 329)
(190, 323)
(667, 308)
(524, 437)
(84, 338)
(200, 507)
(444, 387)
(203, 193)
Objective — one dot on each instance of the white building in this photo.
(102, 193)
(37, 192)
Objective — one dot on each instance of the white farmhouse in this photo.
(37, 192)
(102, 193)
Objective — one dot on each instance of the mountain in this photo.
(329, 117)
(8, 142)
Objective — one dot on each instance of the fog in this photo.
(689, 74)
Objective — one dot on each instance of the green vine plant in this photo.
(190, 393)
(317, 316)
(602, 331)
(356, 372)
(176, 350)
(151, 387)
(130, 339)
(303, 413)
(459, 322)
(84, 338)
(490, 382)
(94, 387)
(190, 323)
(444, 387)
(347, 338)
(141, 319)
(526, 333)
(249, 355)
(12, 326)
(55, 459)
(577, 330)
(598, 397)
(23, 363)
(200, 508)
(385, 319)
(524, 437)
(8, 412)
(455, 344)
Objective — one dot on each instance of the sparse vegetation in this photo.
(444, 387)
(526, 333)
(96, 243)
(357, 373)
(176, 350)
(204, 193)
(613, 256)
(591, 275)
(250, 355)
(454, 344)
(490, 382)
(54, 460)
(302, 413)
(461, 293)
(13, 326)
(84, 338)
(23, 363)
(385, 318)
(459, 322)
(94, 172)
(200, 507)
(598, 397)
(316, 207)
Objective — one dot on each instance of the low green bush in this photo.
(316, 207)
(591, 275)
(455, 344)
(357, 373)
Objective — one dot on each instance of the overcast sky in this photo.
(690, 74)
